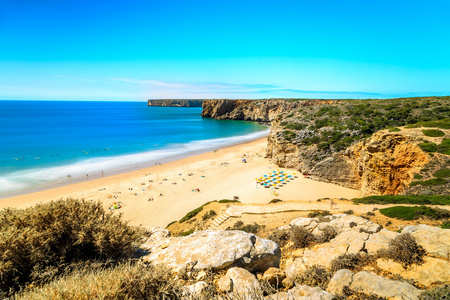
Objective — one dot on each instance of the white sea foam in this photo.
(22, 181)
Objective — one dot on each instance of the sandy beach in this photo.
(158, 195)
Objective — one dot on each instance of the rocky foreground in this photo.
(351, 258)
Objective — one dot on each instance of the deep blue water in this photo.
(52, 142)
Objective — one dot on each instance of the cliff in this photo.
(380, 165)
(345, 142)
(262, 110)
(175, 102)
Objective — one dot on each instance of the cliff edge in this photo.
(175, 102)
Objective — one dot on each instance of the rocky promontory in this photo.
(175, 102)
(354, 143)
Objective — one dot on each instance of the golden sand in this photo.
(158, 195)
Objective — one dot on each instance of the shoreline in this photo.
(217, 143)
(173, 186)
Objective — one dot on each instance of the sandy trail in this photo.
(217, 174)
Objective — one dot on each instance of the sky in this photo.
(137, 50)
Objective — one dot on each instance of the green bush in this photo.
(209, 215)
(430, 182)
(412, 213)
(442, 173)
(394, 129)
(404, 250)
(428, 147)
(275, 200)
(38, 243)
(288, 135)
(417, 176)
(186, 233)
(319, 213)
(250, 228)
(405, 199)
(445, 224)
(191, 214)
(444, 147)
(433, 132)
(229, 201)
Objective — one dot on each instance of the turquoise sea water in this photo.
(46, 143)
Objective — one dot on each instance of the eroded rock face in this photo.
(238, 280)
(435, 240)
(340, 280)
(370, 283)
(214, 249)
(432, 271)
(381, 165)
(264, 110)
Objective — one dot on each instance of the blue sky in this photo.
(136, 50)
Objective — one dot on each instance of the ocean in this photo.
(50, 143)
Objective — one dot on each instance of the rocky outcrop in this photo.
(175, 102)
(381, 165)
(240, 281)
(435, 240)
(262, 110)
(425, 273)
(372, 284)
(213, 249)
(302, 292)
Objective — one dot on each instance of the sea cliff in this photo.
(175, 102)
(346, 142)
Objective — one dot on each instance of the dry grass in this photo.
(126, 281)
(404, 250)
(41, 242)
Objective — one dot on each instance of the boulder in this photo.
(214, 249)
(339, 281)
(435, 240)
(432, 271)
(302, 292)
(240, 281)
(195, 291)
(379, 240)
(370, 283)
(274, 276)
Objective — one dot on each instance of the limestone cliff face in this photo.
(175, 102)
(263, 110)
(381, 165)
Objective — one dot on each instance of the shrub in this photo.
(417, 176)
(125, 281)
(319, 213)
(173, 222)
(186, 233)
(209, 215)
(404, 250)
(440, 293)
(430, 182)
(229, 201)
(369, 213)
(442, 173)
(250, 228)
(301, 237)
(433, 132)
(444, 147)
(280, 237)
(327, 234)
(349, 212)
(349, 261)
(394, 129)
(37, 243)
(275, 200)
(411, 213)
(428, 147)
(314, 276)
(288, 135)
(405, 199)
(191, 214)
(445, 224)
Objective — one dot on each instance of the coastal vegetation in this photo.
(415, 212)
(405, 199)
(41, 243)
